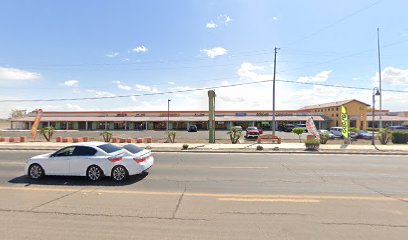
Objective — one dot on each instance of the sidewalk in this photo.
(231, 148)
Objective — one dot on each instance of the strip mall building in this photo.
(324, 115)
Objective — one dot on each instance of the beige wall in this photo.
(355, 109)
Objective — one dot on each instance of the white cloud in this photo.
(225, 18)
(355, 78)
(112, 54)
(214, 52)
(98, 93)
(125, 59)
(275, 18)
(211, 24)
(171, 83)
(71, 83)
(392, 75)
(320, 77)
(139, 49)
(17, 74)
(144, 88)
(122, 86)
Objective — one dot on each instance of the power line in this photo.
(193, 90)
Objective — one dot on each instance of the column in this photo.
(126, 128)
(67, 126)
(146, 126)
(86, 125)
(106, 126)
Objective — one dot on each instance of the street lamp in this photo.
(168, 113)
(376, 92)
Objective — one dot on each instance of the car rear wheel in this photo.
(119, 173)
(94, 173)
(35, 171)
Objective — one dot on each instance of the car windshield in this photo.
(132, 148)
(252, 128)
(109, 148)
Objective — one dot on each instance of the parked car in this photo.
(252, 132)
(238, 128)
(397, 128)
(286, 128)
(192, 128)
(303, 126)
(331, 135)
(93, 160)
(260, 130)
(364, 135)
(337, 131)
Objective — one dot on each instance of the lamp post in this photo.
(168, 114)
(376, 92)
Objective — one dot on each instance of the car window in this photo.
(132, 148)
(84, 151)
(65, 152)
(109, 148)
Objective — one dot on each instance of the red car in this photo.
(252, 132)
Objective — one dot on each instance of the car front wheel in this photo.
(35, 171)
(94, 173)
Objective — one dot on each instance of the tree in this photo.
(18, 113)
(299, 132)
(171, 136)
(107, 136)
(47, 132)
(235, 135)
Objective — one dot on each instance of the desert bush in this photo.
(171, 136)
(185, 147)
(235, 135)
(399, 137)
(47, 132)
(107, 136)
(384, 137)
(259, 148)
(324, 138)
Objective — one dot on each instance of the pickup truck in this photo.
(252, 132)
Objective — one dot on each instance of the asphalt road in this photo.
(214, 196)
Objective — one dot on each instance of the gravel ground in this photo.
(160, 136)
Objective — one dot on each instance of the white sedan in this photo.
(93, 160)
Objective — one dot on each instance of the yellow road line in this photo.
(214, 195)
(239, 167)
(269, 200)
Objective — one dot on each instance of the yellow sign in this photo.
(344, 122)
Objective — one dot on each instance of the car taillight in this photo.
(139, 160)
(114, 159)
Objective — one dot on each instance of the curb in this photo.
(215, 151)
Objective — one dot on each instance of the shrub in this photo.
(171, 136)
(384, 137)
(259, 148)
(185, 147)
(107, 136)
(353, 129)
(312, 145)
(47, 132)
(324, 138)
(235, 135)
(299, 132)
(399, 137)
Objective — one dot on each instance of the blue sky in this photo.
(74, 49)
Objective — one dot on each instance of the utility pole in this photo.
(168, 114)
(379, 76)
(273, 94)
